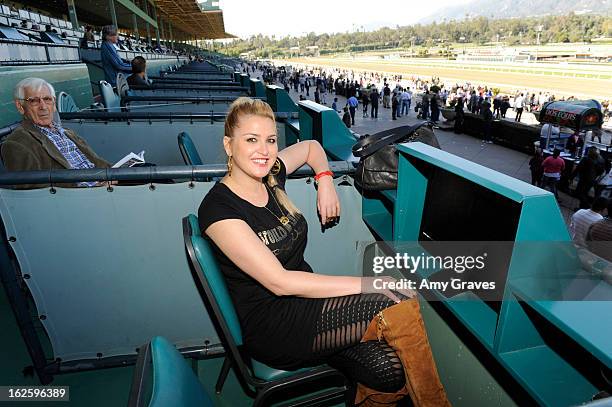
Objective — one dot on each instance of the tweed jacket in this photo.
(27, 149)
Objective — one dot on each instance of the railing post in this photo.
(47, 53)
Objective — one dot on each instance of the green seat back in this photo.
(215, 280)
(188, 150)
(174, 382)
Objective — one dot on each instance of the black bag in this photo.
(377, 168)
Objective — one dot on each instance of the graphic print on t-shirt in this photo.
(278, 233)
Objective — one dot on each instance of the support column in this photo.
(135, 22)
(160, 23)
(149, 34)
(156, 28)
(146, 10)
(73, 15)
(111, 5)
(171, 35)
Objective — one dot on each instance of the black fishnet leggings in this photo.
(339, 330)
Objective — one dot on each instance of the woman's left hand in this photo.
(328, 203)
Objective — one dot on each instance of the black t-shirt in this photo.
(277, 331)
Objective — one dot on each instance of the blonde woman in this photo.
(290, 316)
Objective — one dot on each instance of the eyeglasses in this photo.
(36, 101)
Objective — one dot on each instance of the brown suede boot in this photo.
(402, 327)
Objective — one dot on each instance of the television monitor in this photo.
(24, 14)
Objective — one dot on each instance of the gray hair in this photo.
(108, 30)
(35, 84)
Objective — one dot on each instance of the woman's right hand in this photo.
(374, 285)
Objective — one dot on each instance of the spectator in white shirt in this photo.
(519, 104)
(584, 218)
(406, 98)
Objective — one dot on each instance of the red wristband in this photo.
(322, 174)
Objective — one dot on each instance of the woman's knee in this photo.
(390, 382)
(376, 365)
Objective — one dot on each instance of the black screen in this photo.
(457, 209)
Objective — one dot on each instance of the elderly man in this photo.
(39, 143)
(111, 62)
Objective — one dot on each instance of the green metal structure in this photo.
(279, 100)
(321, 123)
(257, 88)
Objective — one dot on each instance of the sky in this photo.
(290, 17)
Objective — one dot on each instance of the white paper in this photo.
(130, 160)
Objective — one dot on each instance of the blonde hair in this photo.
(244, 106)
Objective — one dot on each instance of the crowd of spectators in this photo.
(345, 82)
(398, 93)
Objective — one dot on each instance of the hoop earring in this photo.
(229, 166)
(276, 167)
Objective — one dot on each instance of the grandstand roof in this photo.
(190, 17)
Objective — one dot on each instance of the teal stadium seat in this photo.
(258, 380)
(172, 382)
(112, 102)
(188, 149)
(65, 103)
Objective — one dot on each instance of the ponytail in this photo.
(281, 196)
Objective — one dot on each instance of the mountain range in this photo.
(519, 8)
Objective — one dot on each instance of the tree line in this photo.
(479, 30)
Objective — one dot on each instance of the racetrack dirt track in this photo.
(507, 81)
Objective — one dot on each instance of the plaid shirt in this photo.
(75, 157)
